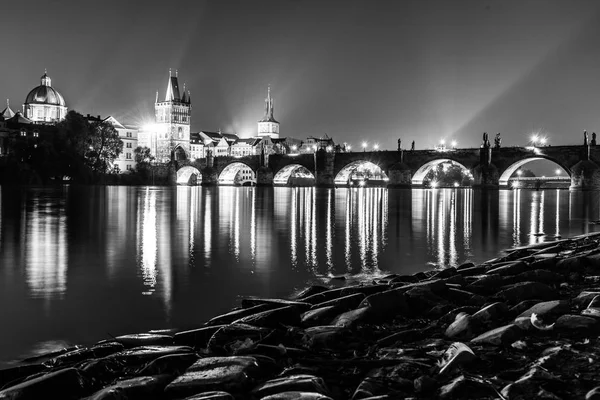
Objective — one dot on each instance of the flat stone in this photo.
(584, 298)
(241, 313)
(148, 353)
(322, 336)
(526, 290)
(491, 315)
(133, 388)
(444, 273)
(170, 364)
(450, 316)
(593, 394)
(513, 268)
(472, 271)
(85, 353)
(575, 322)
(229, 336)
(212, 395)
(343, 303)
(215, 373)
(547, 308)
(462, 387)
(68, 382)
(500, 336)
(319, 316)
(297, 383)
(309, 291)
(486, 284)
(456, 355)
(523, 306)
(352, 317)
(144, 339)
(255, 301)
(465, 265)
(528, 385)
(287, 315)
(390, 302)
(295, 395)
(196, 337)
(593, 309)
(421, 299)
(405, 336)
(461, 328)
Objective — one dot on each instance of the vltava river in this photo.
(78, 264)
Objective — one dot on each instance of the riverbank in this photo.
(524, 325)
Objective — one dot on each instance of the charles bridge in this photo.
(491, 167)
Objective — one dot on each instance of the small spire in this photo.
(45, 71)
(176, 73)
(156, 101)
(170, 73)
(7, 103)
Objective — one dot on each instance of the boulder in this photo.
(593, 309)
(69, 382)
(352, 317)
(593, 394)
(297, 383)
(486, 284)
(390, 302)
(196, 337)
(472, 271)
(229, 337)
(288, 315)
(323, 336)
(319, 316)
(241, 313)
(309, 291)
(554, 308)
(575, 322)
(295, 395)
(405, 336)
(458, 354)
(444, 273)
(276, 303)
(513, 268)
(342, 303)
(231, 374)
(170, 364)
(463, 387)
(526, 290)
(504, 335)
(144, 339)
(584, 298)
(134, 388)
(461, 328)
(491, 315)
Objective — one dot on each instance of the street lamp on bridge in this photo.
(364, 146)
(376, 146)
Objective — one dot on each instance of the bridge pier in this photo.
(210, 176)
(585, 175)
(264, 176)
(324, 167)
(486, 176)
(399, 176)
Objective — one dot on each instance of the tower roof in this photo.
(45, 93)
(269, 108)
(173, 90)
(7, 112)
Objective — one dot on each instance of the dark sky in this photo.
(355, 70)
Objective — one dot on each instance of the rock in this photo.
(288, 315)
(462, 387)
(421, 299)
(435, 285)
(523, 306)
(170, 364)
(584, 298)
(241, 313)
(322, 336)
(459, 296)
(343, 303)
(405, 336)
(214, 395)
(332, 294)
(442, 310)
(255, 301)
(512, 268)
(309, 291)
(593, 394)
(546, 309)
(425, 384)
(472, 271)
(196, 337)
(229, 337)
(491, 316)
(134, 388)
(526, 290)
(278, 351)
(297, 383)
(81, 354)
(539, 275)
(575, 322)
(144, 339)
(297, 396)
(547, 263)
(449, 317)
(528, 386)
(68, 382)
(504, 335)
(147, 353)
(319, 316)
(461, 328)
(403, 279)
(444, 273)
(232, 374)
(486, 284)
(570, 264)
(456, 355)
(593, 309)
(383, 381)
(352, 317)
(465, 265)
(390, 302)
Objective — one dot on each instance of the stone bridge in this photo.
(490, 167)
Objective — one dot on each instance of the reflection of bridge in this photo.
(538, 182)
(490, 167)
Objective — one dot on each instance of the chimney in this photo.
(98, 118)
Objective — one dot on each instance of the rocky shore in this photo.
(523, 326)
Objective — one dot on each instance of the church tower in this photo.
(268, 126)
(172, 136)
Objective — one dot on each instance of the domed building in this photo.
(44, 104)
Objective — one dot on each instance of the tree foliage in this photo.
(103, 146)
(447, 174)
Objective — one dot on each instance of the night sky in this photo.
(372, 70)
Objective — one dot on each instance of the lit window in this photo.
(129, 168)
(128, 145)
(129, 156)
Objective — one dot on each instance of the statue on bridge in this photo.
(412, 146)
(486, 141)
(497, 140)
(399, 144)
(593, 143)
(585, 138)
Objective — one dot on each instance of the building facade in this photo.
(129, 136)
(44, 104)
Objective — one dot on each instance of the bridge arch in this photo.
(361, 170)
(508, 172)
(282, 177)
(237, 173)
(188, 176)
(420, 174)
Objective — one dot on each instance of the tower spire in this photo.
(176, 73)
(170, 73)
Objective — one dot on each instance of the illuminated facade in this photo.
(44, 104)
(268, 126)
(129, 136)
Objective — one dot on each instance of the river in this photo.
(81, 263)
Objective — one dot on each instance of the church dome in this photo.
(45, 94)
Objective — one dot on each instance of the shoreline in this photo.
(523, 325)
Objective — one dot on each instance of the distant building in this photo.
(129, 136)
(268, 126)
(44, 104)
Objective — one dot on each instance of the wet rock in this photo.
(278, 351)
(593, 309)
(294, 395)
(528, 386)
(486, 284)
(419, 276)
(465, 265)
(526, 290)
(435, 285)
(524, 305)
(255, 301)
(425, 384)
(449, 317)
(297, 383)
(504, 335)
(462, 387)
(213, 395)
(455, 280)
(403, 279)
(472, 271)
(513, 268)
(231, 374)
(460, 296)
(352, 317)
(133, 388)
(442, 310)
(144, 339)
(367, 290)
(584, 298)
(309, 291)
(319, 316)
(547, 263)
(444, 273)
(546, 309)
(322, 336)
(229, 337)
(405, 336)
(240, 313)
(491, 315)
(461, 328)
(343, 303)
(390, 302)
(147, 353)
(196, 337)
(75, 356)
(457, 355)
(593, 394)
(289, 315)
(332, 294)
(383, 381)
(539, 275)
(421, 299)
(570, 264)
(170, 364)
(575, 322)
(22, 371)
(68, 382)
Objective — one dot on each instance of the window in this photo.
(23, 133)
(128, 145)
(129, 168)
(129, 134)
(36, 134)
(129, 156)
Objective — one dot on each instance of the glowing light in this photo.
(151, 127)
(434, 184)
(294, 148)
(376, 146)
(558, 172)
(362, 183)
(519, 172)
(329, 148)
(456, 184)
(543, 140)
(515, 184)
(454, 144)
(315, 148)
(364, 145)
(442, 142)
(348, 147)
(534, 139)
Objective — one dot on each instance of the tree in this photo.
(143, 156)
(103, 146)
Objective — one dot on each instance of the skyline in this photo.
(420, 71)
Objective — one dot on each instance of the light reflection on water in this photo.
(77, 262)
